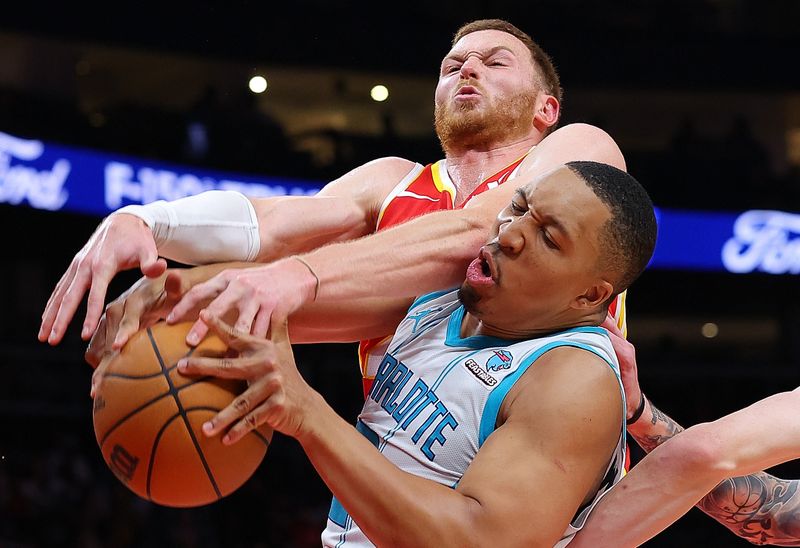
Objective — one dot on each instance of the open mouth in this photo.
(485, 268)
(480, 271)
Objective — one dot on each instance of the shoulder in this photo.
(370, 183)
(573, 142)
(567, 387)
(379, 173)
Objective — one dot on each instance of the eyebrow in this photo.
(548, 219)
(490, 52)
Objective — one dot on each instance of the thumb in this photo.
(151, 265)
(173, 285)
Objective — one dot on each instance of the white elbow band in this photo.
(214, 226)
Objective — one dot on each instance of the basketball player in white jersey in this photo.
(497, 416)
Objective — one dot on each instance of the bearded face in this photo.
(482, 124)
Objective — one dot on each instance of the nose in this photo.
(470, 68)
(511, 238)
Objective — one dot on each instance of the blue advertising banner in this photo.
(55, 177)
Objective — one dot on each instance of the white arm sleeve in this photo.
(214, 226)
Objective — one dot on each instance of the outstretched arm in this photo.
(212, 227)
(422, 255)
(675, 476)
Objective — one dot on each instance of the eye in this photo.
(517, 209)
(547, 241)
(449, 69)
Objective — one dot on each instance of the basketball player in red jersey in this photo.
(496, 101)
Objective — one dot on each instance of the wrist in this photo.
(637, 413)
(312, 280)
(210, 227)
(315, 412)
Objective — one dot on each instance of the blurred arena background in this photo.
(703, 97)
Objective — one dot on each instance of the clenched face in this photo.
(487, 91)
(542, 271)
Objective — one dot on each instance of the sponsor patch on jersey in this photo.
(482, 375)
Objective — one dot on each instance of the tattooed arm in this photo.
(760, 508)
(674, 476)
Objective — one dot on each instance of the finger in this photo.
(261, 325)
(245, 425)
(173, 285)
(149, 262)
(245, 320)
(196, 295)
(197, 333)
(54, 302)
(239, 407)
(610, 324)
(66, 310)
(133, 308)
(96, 349)
(225, 368)
(96, 300)
(232, 337)
(99, 373)
(279, 329)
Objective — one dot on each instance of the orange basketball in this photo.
(148, 418)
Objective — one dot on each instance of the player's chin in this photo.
(469, 296)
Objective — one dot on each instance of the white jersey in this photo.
(436, 397)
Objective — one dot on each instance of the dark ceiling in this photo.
(733, 44)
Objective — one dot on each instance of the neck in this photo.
(472, 326)
(469, 167)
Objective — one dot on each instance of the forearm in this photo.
(760, 508)
(427, 254)
(664, 485)
(292, 225)
(392, 507)
(655, 493)
(653, 428)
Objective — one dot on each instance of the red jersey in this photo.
(423, 190)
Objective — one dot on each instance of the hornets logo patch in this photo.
(500, 360)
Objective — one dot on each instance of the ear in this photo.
(594, 296)
(547, 112)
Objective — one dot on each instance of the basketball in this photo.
(148, 417)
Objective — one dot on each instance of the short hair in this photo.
(628, 238)
(550, 82)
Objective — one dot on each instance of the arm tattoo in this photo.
(760, 508)
(663, 429)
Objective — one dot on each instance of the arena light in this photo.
(379, 93)
(709, 330)
(258, 84)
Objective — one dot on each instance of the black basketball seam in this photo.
(129, 415)
(258, 434)
(182, 413)
(153, 452)
(142, 377)
(147, 404)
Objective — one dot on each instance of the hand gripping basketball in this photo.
(277, 395)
